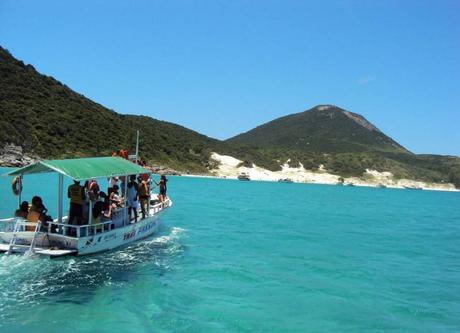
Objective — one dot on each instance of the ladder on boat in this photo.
(19, 234)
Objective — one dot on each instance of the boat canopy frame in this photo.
(81, 169)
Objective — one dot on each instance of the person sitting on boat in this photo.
(144, 195)
(163, 188)
(37, 212)
(76, 194)
(132, 197)
(23, 210)
(112, 182)
(114, 197)
(98, 214)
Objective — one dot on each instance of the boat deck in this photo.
(43, 251)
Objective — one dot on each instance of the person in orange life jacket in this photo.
(76, 194)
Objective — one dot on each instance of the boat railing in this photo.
(160, 206)
(72, 230)
(7, 225)
(77, 231)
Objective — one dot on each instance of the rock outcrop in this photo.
(12, 155)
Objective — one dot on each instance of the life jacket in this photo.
(124, 153)
(76, 194)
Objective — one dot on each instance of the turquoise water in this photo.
(254, 257)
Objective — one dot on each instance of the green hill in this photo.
(324, 129)
(343, 142)
(47, 118)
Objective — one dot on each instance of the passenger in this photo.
(123, 185)
(112, 182)
(76, 193)
(144, 195)
(132, 197)
(93, 190)
(163, 188)
(106, 206)
(23, 210)
(114, 198)
(36, 213)
(98, 213)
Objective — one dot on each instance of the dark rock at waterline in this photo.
(12, 155)
(162, 170)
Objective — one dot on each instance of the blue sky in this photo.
(223, 67)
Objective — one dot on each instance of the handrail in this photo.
(55, 227)
(10, 219)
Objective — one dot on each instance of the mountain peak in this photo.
(324, 107)
(324, 128)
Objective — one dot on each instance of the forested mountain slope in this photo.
(47, 118)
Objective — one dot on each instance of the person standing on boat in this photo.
(163, 188)
(144, 195)
(76, 194)
(93, 190)
(132, 199)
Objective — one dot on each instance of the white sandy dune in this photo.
(229, 168)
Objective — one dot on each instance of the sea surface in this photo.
(235, 256)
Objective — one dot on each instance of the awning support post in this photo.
(126, 200)
(60, 186)
(20, 191)
(137, 146)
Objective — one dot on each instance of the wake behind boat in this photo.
(58, 237)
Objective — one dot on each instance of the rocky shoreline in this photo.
(230, 167)
(12, 155)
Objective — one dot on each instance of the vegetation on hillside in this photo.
(343, 142)
(47, 118)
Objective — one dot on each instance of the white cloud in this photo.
(366, 79)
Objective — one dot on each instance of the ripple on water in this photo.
(31, 281)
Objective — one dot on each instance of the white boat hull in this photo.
(118, 237)
(55, 244)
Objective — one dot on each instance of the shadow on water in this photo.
(29, 281)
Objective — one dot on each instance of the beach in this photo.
(230, 167)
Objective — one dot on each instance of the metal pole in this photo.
(90, 210)
(60, 185)
(20, 190)
(126, 198)
(137, 146)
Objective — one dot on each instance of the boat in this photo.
(381, 186)
(59, 238)
(285, 180)
(244, 176)
(413, 187)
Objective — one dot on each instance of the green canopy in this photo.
(83, 168)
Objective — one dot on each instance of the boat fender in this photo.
(16, 185)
